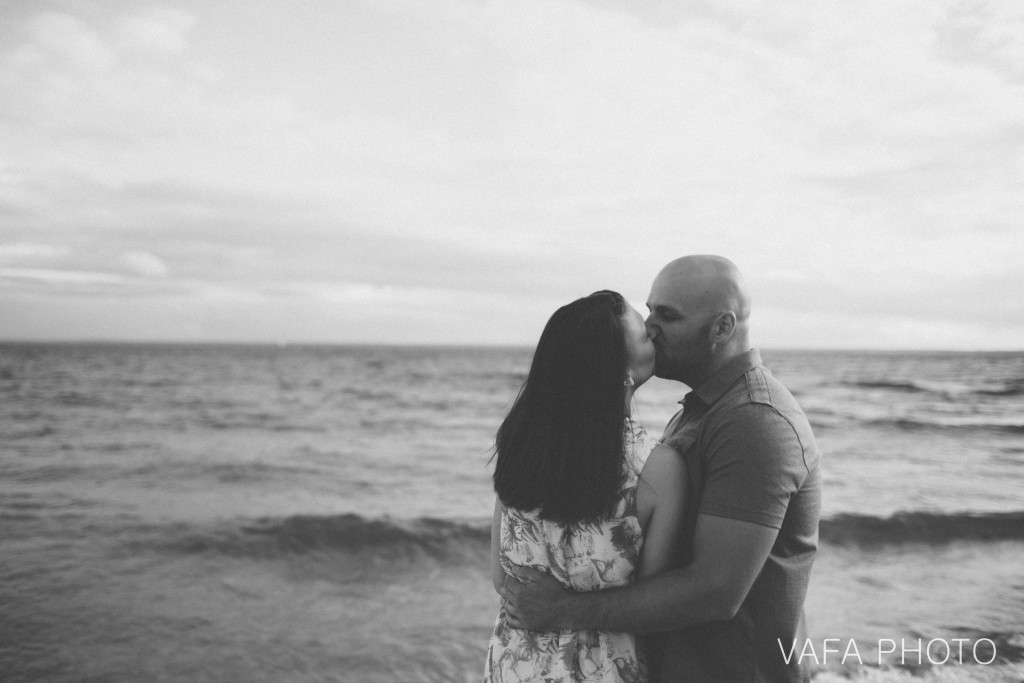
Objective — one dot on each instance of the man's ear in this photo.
(724, 326)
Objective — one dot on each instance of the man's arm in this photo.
(728, 556)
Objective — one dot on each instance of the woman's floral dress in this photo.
(585, 557)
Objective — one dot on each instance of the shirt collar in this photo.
(715, 386)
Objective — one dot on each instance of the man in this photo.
(736, 608)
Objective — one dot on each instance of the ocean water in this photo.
(228, 513)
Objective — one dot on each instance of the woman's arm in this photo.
(497, 573)
(661, 501)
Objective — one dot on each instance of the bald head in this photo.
(705, 284)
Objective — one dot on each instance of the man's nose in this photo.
(652, 329)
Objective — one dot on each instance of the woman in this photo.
(582, 491)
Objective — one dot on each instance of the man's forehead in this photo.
(674, 293)
(662, 298)
(667, 289)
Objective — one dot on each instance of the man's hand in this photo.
(534, 600)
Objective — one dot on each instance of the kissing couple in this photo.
(620, 557)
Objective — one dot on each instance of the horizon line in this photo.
(448, 345)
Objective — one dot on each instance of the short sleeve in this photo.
(753, 463)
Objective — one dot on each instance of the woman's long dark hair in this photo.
(561, 446)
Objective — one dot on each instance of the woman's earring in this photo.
(629, 381)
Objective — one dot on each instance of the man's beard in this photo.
(689, 362)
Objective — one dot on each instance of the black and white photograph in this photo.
(382, 341)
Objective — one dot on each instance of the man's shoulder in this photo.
(758, 386)
(759, 404)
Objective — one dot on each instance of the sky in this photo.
(452, 171)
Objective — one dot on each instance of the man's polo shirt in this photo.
(750, 456)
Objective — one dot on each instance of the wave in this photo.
(921, 527)
(1007, 388)
(397, 544)
(79, 399)
(37, 432)
(1017, 389)
(911, 387)
(369, 542)
(353, 532)
(911, 424)
(265, 421)
(1011, 387)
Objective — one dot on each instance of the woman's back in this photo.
(583, 557)
(563, 450)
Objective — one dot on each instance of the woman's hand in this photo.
(534, 600)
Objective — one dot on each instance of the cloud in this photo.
(418, 161)
(61, 277)
(162, 32)
(28, 252)
(65, 39)
(145, 264)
